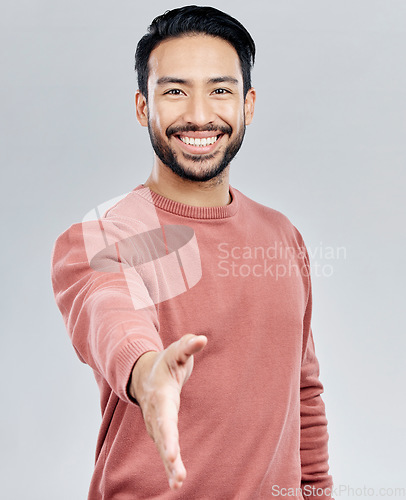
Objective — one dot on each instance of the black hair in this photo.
(189, 20)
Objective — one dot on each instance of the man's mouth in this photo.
(199, 141)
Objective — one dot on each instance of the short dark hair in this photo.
(189, 20)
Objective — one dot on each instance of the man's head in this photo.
(195, 95)
(193, 19)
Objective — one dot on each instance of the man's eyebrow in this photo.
(181, 81)
(170, 79)
(224, 79)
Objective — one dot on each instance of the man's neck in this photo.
(212, 193)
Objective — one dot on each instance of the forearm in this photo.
(316, 482)
(107, 332)
(110, 336)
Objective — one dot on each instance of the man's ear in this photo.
(249, 105)
(141, 109)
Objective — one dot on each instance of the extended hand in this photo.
(156, 382)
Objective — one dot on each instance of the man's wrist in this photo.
(141, 368)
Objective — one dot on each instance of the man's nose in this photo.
(199, 111)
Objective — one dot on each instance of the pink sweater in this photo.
(252, 422)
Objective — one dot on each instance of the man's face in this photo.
(196, 112)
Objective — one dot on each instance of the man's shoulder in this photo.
(128, 205)
(133, 211)
(264, 213)
(112, 220)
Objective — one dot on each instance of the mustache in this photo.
(194, 128)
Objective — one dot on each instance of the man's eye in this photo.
(173, 92)
(221, 91)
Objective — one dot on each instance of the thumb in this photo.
(187, 346)
(179, 356)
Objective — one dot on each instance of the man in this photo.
(185, 265)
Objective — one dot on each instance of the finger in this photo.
(176, 480)
(167, 441)
(179, 356)
(167, 429)
(188, 345)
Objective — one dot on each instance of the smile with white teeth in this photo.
(196, 141)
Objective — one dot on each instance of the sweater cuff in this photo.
(317, 493)
(124, 364)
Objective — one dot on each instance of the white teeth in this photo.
(195, 141)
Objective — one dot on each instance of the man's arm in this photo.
(97, 306)
(316, 482)
(121, 342)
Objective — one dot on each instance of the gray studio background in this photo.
(327, 148)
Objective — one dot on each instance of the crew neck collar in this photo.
(189, 211)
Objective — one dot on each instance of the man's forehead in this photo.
(193, 57)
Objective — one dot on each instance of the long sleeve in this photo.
(316, 482)
(105, 304)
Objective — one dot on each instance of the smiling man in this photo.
(196, 109)
(142, 291)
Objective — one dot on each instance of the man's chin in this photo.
(195, 175)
